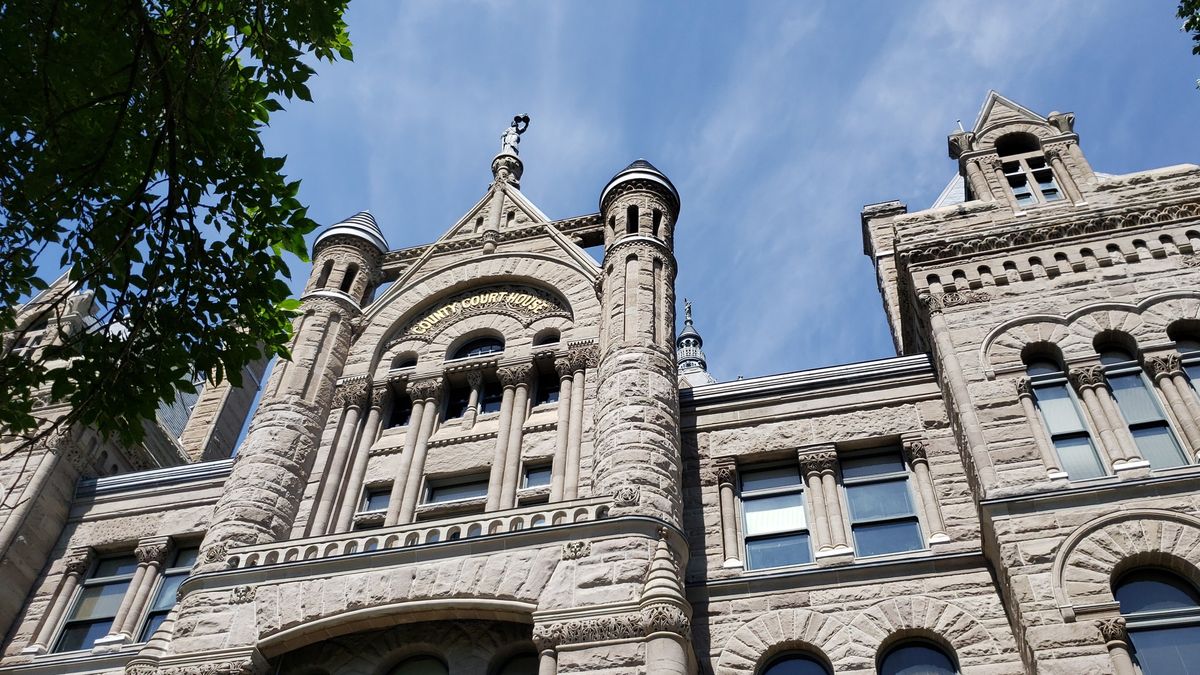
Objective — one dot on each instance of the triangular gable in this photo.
(998, 109)
(476, 218)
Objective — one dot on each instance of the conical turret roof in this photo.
(361, 225)
(640, 168)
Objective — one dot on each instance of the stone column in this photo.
(915, 451)
(60, 444)
(1055, 152)
(979, 184)
(430, 391)
(548, 662)
(992, 165)
(1117, 641)
(582, 358)
(475, 381)
(351, 397)
(1086, 381)
(558, 469)
(1167, 373)
(152, 556)
(78, 562)
(959, 396)
(811, 465)
(263, 492)
(726, 477)
(500, 454)
(395, 500)
(838, 524)
(520, 376)
(1038, 428)
(351, 497)
(666, 614)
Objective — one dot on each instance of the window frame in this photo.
(765, 493)
(905, 473)
(1133, 368)
(1149, 620)
(174, 570)
(432, 484)
(92, 581)
(1032, 184)
(1042, 381)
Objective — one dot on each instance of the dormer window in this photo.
(1028, 173)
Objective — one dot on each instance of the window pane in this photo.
(112, 567)
(1134, 398)
(186, 557)
(81, 635)
(1158, 446)
(489, 401)
(100, 601)
(377, 500)
(1078, 457)
(857, 466)
(1042, 367)
(456, 402)
(166, 592)
(917, 659)
(778, 551)
(1058, 409)
(880, 538)
(1193, 373)
(778, 513)
(1153, 591)
(764, 479)
(796, 665)
(879, 500)
(152, 624)
(1170, 651)
(537, 476)
(445, 493)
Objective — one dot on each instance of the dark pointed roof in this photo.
(640, 168)
(361, 225)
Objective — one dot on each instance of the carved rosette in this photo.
(78, 561)
(428, 389)
(916, 451)
(574, 550)
(1087, 377)
(215, 554)
(1024, 387)
(818, 462)
(1167, 365)
(351, 393)
(1113, 630)
(627, 496)
(512, 376)
(959, 298)
(151, 553)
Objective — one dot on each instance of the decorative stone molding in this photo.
(78, 561)
(1024, 387)
(141, 669)
(932, 303)
(351, 393)
(959, 298)
(654, 618)
(427, 389)
(668, 618)
(1113, 629)
(627, 496)
(1166, 365)
(330, 304)
(241, 595)
(574, 550)
(475, 379)
(1087, 376)
(726, 475)
(155, 552)
(62, 443)
(563, 366)
(240, 667)
(1190, 260)
(215, 553)
(583, 357)
(916, 451)
(818, 462)
(511, 376)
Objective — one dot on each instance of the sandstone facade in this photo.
(483, 457)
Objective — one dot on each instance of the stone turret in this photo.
(263, 493)
(689, 350)
(637, 410)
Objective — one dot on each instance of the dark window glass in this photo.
(793, 549)
(775, 524)
(376, 499)
(883, 516)
(456, 402)
(1152, 591)
(917, 658)
(537, 476)
(1063, 421)
(491, 397)
(1162, 616)
(402, 407)
(480, 347)
(547, 389)
(1141, 411)
(97, 603)
(421, 665)
(454, 491)
(526, 664)
(796, 664)
(164, 598)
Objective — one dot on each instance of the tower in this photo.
(264, 490)
(693, 366)
(637, 411)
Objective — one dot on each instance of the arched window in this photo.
(1189, 358)
(324, 277)
(795, 664)
(1060, 413)
(404, 361)
(479, 347)
(1162, 617)
(1139, 406)
(1028, 174)
(524, 664)
(548, 336)
(917, 657)
(421, 665)
(348, 278)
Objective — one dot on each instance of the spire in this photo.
(507, 166)
(361, 225)
(693, 366)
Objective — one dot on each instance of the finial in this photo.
(511, 138)
(687, 310)
(960, 126)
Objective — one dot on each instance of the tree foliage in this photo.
(1189, 11)
(130, 153)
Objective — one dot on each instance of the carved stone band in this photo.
(656, 618)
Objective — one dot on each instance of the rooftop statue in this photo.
(511, 138)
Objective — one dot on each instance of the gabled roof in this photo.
(998, 109)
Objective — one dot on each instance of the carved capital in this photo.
(563, 366)
(989, 162)
(475, 379)
(627, 496)
(818, 461)
(78, 561)
(663, 617)
(574, 550)
(1057, 150)
(351, 394)
(932, 303)
(1166, 365)
(427, 389)
(1113, 630)
(1024, 387)
(960, 142)
(151, 552)
(584, 357)
(1087, 377)
(916, 451)
(512, 376)
(379, 392)
(725, 475)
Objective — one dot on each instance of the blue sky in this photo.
(777, 121)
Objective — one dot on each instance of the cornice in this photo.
(155, 478)
(572, 225)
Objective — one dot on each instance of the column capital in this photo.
(817, 460)
(379, 391)
(564, 366)
(1087, 377)
(1113, 629)
(988, 162)
(932, 303)
(916, 451)
(426, 389)
(1166, 365)
(352, 393)
(584, 356)
(1024, 387)
(475, 378)
(152, 550)
(78, 560)
(726, 470)
(516, 374)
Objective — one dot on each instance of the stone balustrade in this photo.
(414, 534)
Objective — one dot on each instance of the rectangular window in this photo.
(1146, 421)
(457, 489)
(376, 498)
(457, 400)
(164, 598)
(536, 476)
(1067, 431)
(97, 603)
(491, 397)
(883, 516)
(402, 408)
(1031, 179)
(547, 389)
(775, 525)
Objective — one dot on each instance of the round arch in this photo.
(771, 634)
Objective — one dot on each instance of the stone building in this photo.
(488, 457)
